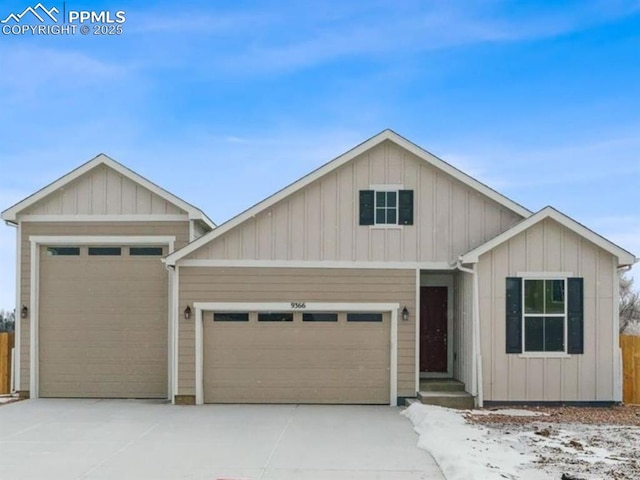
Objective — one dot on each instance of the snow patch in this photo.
(466, 451)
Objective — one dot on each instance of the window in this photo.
(386, 207)
(63, 251)
(145, 251)
(544, 315)
(275, 317)
(364, 317)
(105, 251)
(230, 317)
(319, 317)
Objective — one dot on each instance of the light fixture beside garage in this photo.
(24, 312)
(187, 313)
(405, 314)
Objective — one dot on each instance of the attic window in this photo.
(386, 207)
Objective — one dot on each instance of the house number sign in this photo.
(298, 305)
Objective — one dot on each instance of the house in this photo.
(381, 268)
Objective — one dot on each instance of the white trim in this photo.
(617, 351)
(34, 367)
(417, 331)
(17, 367)
(36, 241)
(175, 318)
(544, 275)
(386, 226)
(564, 315)
(102, 159)
(170, 336)
(544, 355)
(441, 280)
(316, 264)
(389, 187)
(104, 240)
(624, 257)
(337, 163)
(104, 218)
(392, 308)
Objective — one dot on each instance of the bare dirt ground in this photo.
(573, 442)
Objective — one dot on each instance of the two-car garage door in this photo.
(296, 357)
(102, 322)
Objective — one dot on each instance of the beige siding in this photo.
(178, 229)
(547, 246)
(199, 284)
(103, 191)
(321, 221)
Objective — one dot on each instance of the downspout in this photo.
(477, 352)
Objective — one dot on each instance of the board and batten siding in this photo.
(178, 229)
(321, 222)
(548, 247)
(235, 284)
(103, 191)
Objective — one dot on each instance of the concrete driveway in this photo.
(121, 439)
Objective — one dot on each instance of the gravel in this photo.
(573, 442)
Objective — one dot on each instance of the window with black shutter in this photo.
(544, 315)
(386, 207)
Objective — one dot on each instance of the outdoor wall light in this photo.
(187, 313)
(405, 314)
(24, 312)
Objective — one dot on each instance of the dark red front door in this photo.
(433, 329)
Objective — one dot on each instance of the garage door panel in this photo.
(296, 362)
(102, 327)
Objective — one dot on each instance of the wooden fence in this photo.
(6, 344)
(630, 368)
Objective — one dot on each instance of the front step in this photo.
(445, 392)
(459, 400)
(441, 385)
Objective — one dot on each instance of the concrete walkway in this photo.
(121, 439)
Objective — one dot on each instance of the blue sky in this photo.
(223, 103)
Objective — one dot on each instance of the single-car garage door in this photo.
(102, 322)
(286, 357)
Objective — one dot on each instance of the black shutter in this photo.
(367, 209)
(575, 313)
(514, 315)
(405, 207)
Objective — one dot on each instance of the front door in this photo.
(433, 329)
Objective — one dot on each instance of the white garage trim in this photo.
(105, 218)
(36, 241)
(17, 365)
(286, 307)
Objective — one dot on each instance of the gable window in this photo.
(544, 315)
(386, 207)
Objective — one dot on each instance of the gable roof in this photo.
(337, 163)
(624, 257)
(10, 214)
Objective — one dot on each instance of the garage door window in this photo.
(364, 317)
(105, 251)
(145, 251)
(319, 317)
(230, 317)
(63, 251)
(275, 317)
